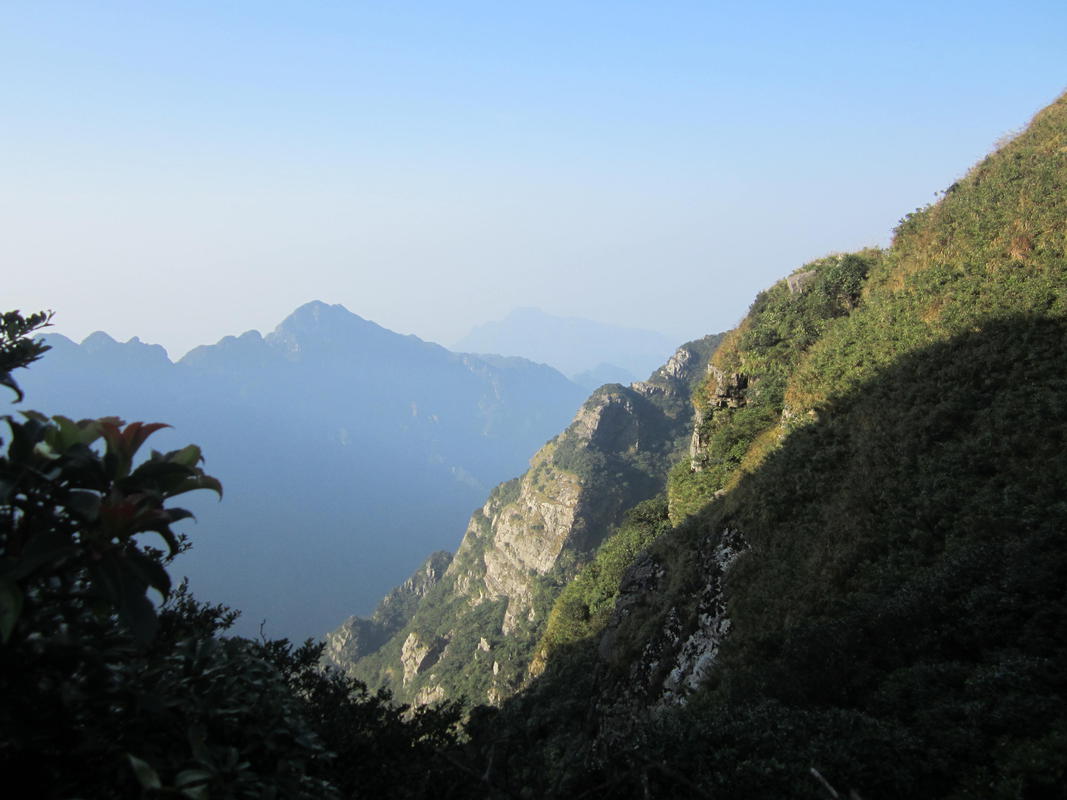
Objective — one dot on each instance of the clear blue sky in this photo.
(185, 170)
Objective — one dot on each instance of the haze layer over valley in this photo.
(347, 452)
(589, 353)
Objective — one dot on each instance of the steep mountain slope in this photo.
(348, 452)
(357, 637)
(865, 571)
(474, 633)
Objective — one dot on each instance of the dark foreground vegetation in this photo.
(106, 696)
(903, 629)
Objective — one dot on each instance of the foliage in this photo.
(743, 398)
(106, 696)
(17, 348)
(898, 620)
(585, 603)
(71, 517)
(377, 748)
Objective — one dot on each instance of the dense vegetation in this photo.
(900, 627)
(743, 398)
(890, 442)
(107, 696)
(585, 603)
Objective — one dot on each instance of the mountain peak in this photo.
(319, 326)
(527, 312)
(332, 330)
(131, 351)
(318, 313)
(98, 339)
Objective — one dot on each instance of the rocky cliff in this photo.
(359, 636)
(474, 632)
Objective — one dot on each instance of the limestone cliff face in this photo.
(475, 632)
(562, 504)
(528, 536)
(724, 390)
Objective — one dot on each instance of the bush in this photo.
(107, 696)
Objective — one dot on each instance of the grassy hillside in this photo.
(884, 436)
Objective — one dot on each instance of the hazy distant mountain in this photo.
(570, 344)
(596, 377)
(347, 451)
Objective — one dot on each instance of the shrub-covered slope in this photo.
(865, 573)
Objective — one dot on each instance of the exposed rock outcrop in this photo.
(357, 636)
(534, 532)
(695, 652)
(682, 648)
(417, 656)
(528, 536)
(798, 280)
(726, 390)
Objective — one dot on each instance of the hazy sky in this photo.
(185, 170)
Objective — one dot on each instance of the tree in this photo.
(99, 701)
(17, 349)
(106, 695)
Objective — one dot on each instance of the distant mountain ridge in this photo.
(572, 345)
(347, 451)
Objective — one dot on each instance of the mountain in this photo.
(596, 377)
(851, 583)
(357, 637)
(528, 540)
(347, 451)
(571, 345)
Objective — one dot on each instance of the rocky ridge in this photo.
(532, 534)
(357, 636)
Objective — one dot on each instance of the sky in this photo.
(180, 171)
